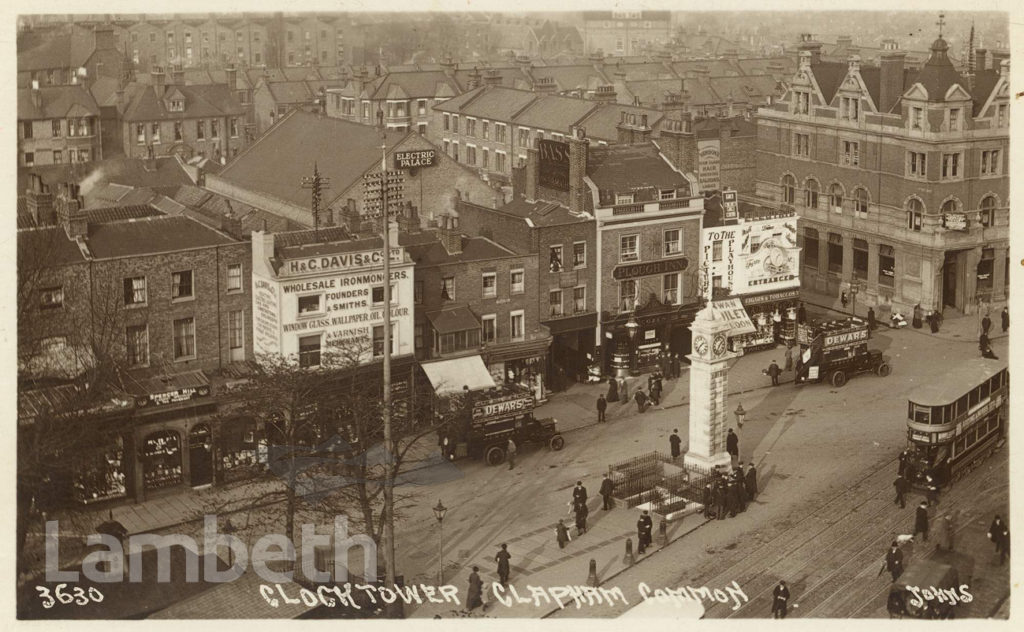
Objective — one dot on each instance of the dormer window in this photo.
(802, 102)
(954, 119)
(177, 105)
(850, 108)
(916, 118)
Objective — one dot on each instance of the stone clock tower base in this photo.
(709, 382)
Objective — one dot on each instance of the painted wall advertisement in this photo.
(553, 164)
(266, 324)
(709, 161)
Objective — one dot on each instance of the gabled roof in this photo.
(602, 123)
(290, 92)
(621, 168)
(984, 83)
(511, 76)
(642, 70)
(717, 67)
(65, 47)
(490, 102)
(759, 65)
(938, 74)
(750, 89)
(571, 77)
(419, 84)
(433, 253)
(276, 163)
(829, 75)
(555, 112)
(542, 213)
(56, 102)
(200, 101)
(53, 241)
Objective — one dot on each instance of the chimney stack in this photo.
(158, 80)
(449, 233)
(578, 147)
(178, 75)
(544, 85)
(492, 77)
(532, 165)
(69, 207)
(679, 143)
(997, 59)
(890, 79)
(981, 59)
(605, 94)
(39, 202)
(104, 37)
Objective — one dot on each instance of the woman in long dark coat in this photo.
(580, 508)
(474, 598)
(613, 390)
(561, 534)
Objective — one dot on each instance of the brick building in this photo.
(168, 299)
(564, 245)
(57, 125)
(899, 177)
(475, 297)
(171, 117)
(622, 33)
(405, 99)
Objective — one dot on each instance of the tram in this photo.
(956, 420)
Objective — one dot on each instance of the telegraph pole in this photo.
(317, 183)
(389, 471)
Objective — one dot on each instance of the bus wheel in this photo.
(495, 455)
(557, 442)
(883, 370)
(838, 379)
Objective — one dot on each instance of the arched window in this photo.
(915, 214)
(860, 201)
(950, 206)
(835, 197)
(987, 214)
(811, 191)
(788, 189)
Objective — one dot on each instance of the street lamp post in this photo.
(439, 512)
(853, 296)
(631, 329)
(229, 529)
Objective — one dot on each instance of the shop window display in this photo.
(239, 456)
(101, 476)
(162, 464)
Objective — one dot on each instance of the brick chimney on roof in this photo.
(578, 150)
(492, 77)
(178, 75)
(39, 202)
(890, 87)
(448, 231)
(158, 80)
(605, 94)
(69, 215)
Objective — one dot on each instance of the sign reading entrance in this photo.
(413, 159)
(662, 266)
(731, 311)
(553, 164)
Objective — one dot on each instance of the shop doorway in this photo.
(949, 274)
(200, 456)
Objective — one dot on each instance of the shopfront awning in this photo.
(447, 321)
(449, 376)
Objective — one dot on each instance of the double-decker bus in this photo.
(957, 420)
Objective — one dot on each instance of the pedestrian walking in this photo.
(1004, 316)
(613, 390)
(902, 487)
(676, 368)
(789, 357)
(665, 363)
(511, 450)
(732, 500)
(945, 530)
(921, 520)
(999, 533)
(707, 499)
(650, 382)
(503, 558)
(562, 534)
(750, 480)
(780, 600)
(843, 299)
(773, 371)
(918, 313)
(904, 456)
(871, 319)
(986, 324)
(641, 400)
(732, 446)
(607, 487)
(474, 596)
(656, 392)
(675, 444)
(581, 511)
(801, 314)
(644, 526)
(720, 501)
(893, 561)
(579, 493)
(741, 489)
(931, 487)
(602, 405)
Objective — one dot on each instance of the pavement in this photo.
(518, 507)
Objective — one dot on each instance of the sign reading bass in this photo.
(553, 164)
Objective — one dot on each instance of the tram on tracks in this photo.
(957, 420)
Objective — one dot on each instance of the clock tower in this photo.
(709, 382)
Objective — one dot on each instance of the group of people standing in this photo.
(984, 345)
(618, 389)
(730, 493)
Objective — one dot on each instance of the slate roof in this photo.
(750, 89)
(622, 168)
(201, 101)
(417, 84)
(640, 71)
(56, 102)
(65, 47)
(984, 83)
(217, 206)
(602, 122)
(433, 253)
(653, 91)
(151, 235)
(542, 212)
(290, 92)
(571, 77)
(121, 213)
(555, 112)
(276, 163)
(308, 247)
(938, 74)
(490, 102)
(54, 242)
(511, 77)
(759, 65)
(453, 318)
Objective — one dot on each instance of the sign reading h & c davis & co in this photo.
(553, 164)
(661, 266)
(413, 159)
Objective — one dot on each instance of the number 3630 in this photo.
(75, 595)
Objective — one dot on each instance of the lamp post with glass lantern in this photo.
(439, 511)
(631, 329)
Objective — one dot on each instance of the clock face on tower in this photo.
(700, 345)
(718, 346)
